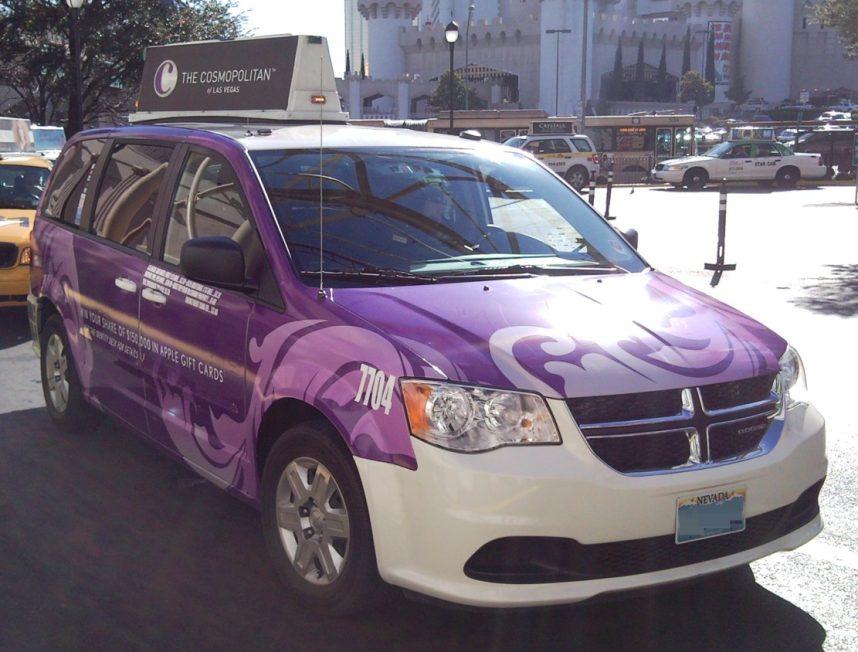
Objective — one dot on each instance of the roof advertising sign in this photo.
(277, 78)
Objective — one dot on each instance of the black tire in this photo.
(787, 177)
(357, 586)
(577, 176)
(73, 413)
(696, 179)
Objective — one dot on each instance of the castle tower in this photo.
(766, 47)
(385, 19)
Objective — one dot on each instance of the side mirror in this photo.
(632, 236)
(214, 260)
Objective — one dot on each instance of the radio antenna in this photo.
(321, 101)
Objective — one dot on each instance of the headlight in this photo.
(473, 419)
(25, 256)
(790, 383)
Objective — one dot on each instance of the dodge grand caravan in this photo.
(425, 359)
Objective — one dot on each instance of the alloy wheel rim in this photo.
(577, 180)
(56, 373)
(313, 521)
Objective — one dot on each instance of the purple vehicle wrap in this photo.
(202, 381)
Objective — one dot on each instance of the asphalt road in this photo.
(106, 544)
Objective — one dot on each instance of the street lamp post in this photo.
(471, 8)
(584, 43)
(75, 112)
(451, 35)
(557, 33)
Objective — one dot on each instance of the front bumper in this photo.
(667, 176)
(428, 523)
(14, 285)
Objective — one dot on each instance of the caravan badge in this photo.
(165, 78)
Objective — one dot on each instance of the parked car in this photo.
(743, 160)
(22, 181)
(834, 146)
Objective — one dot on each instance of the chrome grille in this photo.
(674, 430)
(8, 254)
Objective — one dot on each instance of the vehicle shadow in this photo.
(835, 293)
(107, 544)
(14, 327)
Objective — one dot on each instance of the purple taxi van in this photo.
(425, 358)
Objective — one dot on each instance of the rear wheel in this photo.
(696, 179)
(60, 384)
(316, 522)
(787, 177)
(578, 176)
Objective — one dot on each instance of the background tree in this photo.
(693, 88)
(710, 58)
(362, 66)
(640, 70)
(441, 97)
(662, 90)
(686, 52)
(737, 93)
(348, 65)
(843, 16)
(35, 60)
(616, 89)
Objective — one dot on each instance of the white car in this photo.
(744, 160)
(573, 157)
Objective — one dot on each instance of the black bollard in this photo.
(719, 266)
(591, 196)
(608, 195)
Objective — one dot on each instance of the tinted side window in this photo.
(129, 189)
(582, 145)
(766, 150)
(555, 146)
(208, 201)
(70, 180)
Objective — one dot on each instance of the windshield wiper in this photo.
(373, 273)
(538, 270)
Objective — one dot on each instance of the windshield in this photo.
(47, 139)
(436, 213)
(719, 150)
(21, 186)
(515, 141)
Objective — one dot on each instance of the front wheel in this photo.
(578, 177)
(316, 522)
(696, 179)
(60, 384)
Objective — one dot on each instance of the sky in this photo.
(318, 17)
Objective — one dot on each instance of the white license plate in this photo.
(710, 514)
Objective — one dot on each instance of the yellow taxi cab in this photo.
(22, 180)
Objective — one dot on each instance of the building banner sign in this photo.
(723, 31)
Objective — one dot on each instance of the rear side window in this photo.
(767, 149)
(209, 202)
(582, 145)
(70, 180)
(129, 188)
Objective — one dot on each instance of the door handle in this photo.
(125, 284)
(154, 296)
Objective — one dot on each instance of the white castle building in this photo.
(510, 61)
